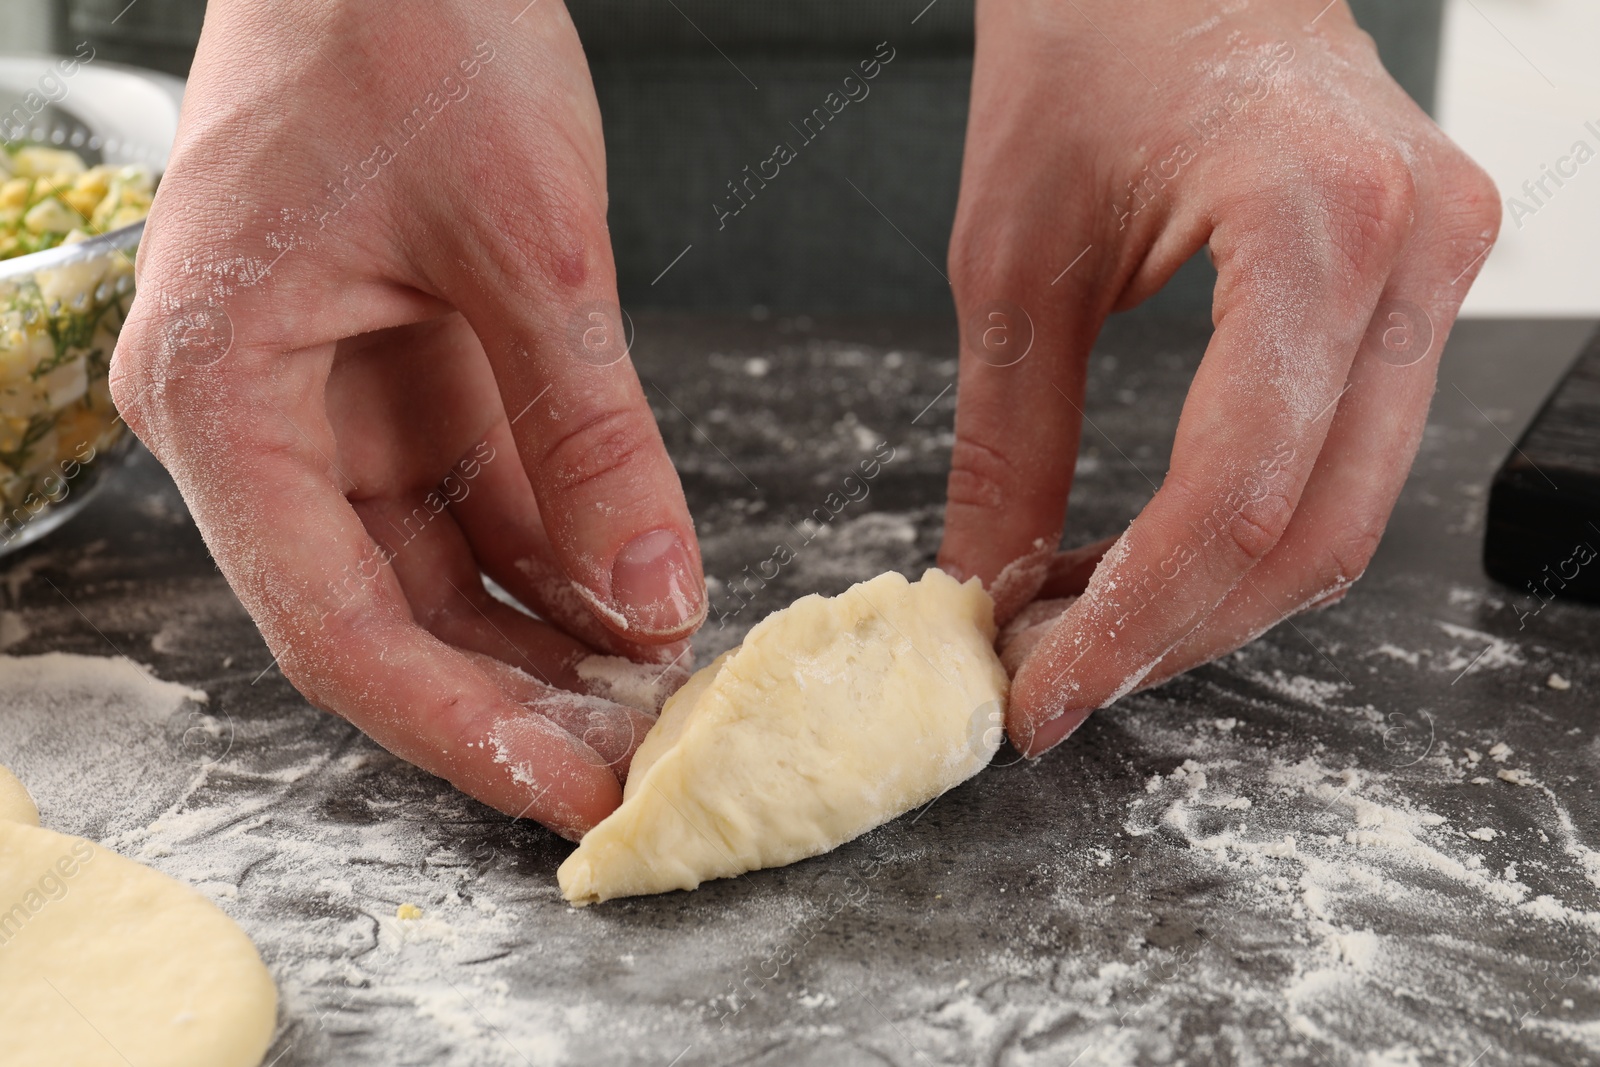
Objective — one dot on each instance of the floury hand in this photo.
(378, 345)
(1345, 229)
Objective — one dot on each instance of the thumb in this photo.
(540, 292)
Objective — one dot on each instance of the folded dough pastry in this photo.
(834, 716)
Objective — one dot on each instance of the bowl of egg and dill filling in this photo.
(81, 147)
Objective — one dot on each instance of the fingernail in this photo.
(1050, 734)
(652, 584)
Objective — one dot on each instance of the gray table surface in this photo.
(1128, 898)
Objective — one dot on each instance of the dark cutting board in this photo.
(1543, 535)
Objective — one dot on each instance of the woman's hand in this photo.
(377, 343)
(1106, 144)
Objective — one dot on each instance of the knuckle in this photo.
(979, 474)
(980, 251)
(966, 261)
(130, 381)
(302, 636)
(137, 374)
(1471, 198)
(1370, 206)
(1256, 527)
(552, 242)
(603, 447)
(162, 365)
(1250, 523)
(1348, 555)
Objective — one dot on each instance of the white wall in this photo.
(1496, 98)
(24, 26)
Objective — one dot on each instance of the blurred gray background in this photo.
(692, 91)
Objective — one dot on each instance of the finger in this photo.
(418, 418)
(1067, 575)
(1290, 315)
(1375, 433)
(1070, 571)
(249, 447)
(1025, 335)
(612, 730)
(439, 579)
(536, 281)
(414, 412)
(1027, 628)
(500, 519)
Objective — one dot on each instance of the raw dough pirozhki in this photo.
(834, 716)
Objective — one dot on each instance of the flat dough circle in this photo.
(107, 962)
(15, 803)
(835, 715)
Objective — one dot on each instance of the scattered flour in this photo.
(1494, 654)
(1361, 905)
(1369, 876)
(1396, 652)
(645, 686)
(1313, 691)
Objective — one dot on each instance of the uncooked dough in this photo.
(833, 717)
(15, 803)
(106, 962)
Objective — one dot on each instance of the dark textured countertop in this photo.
(1288, 857)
